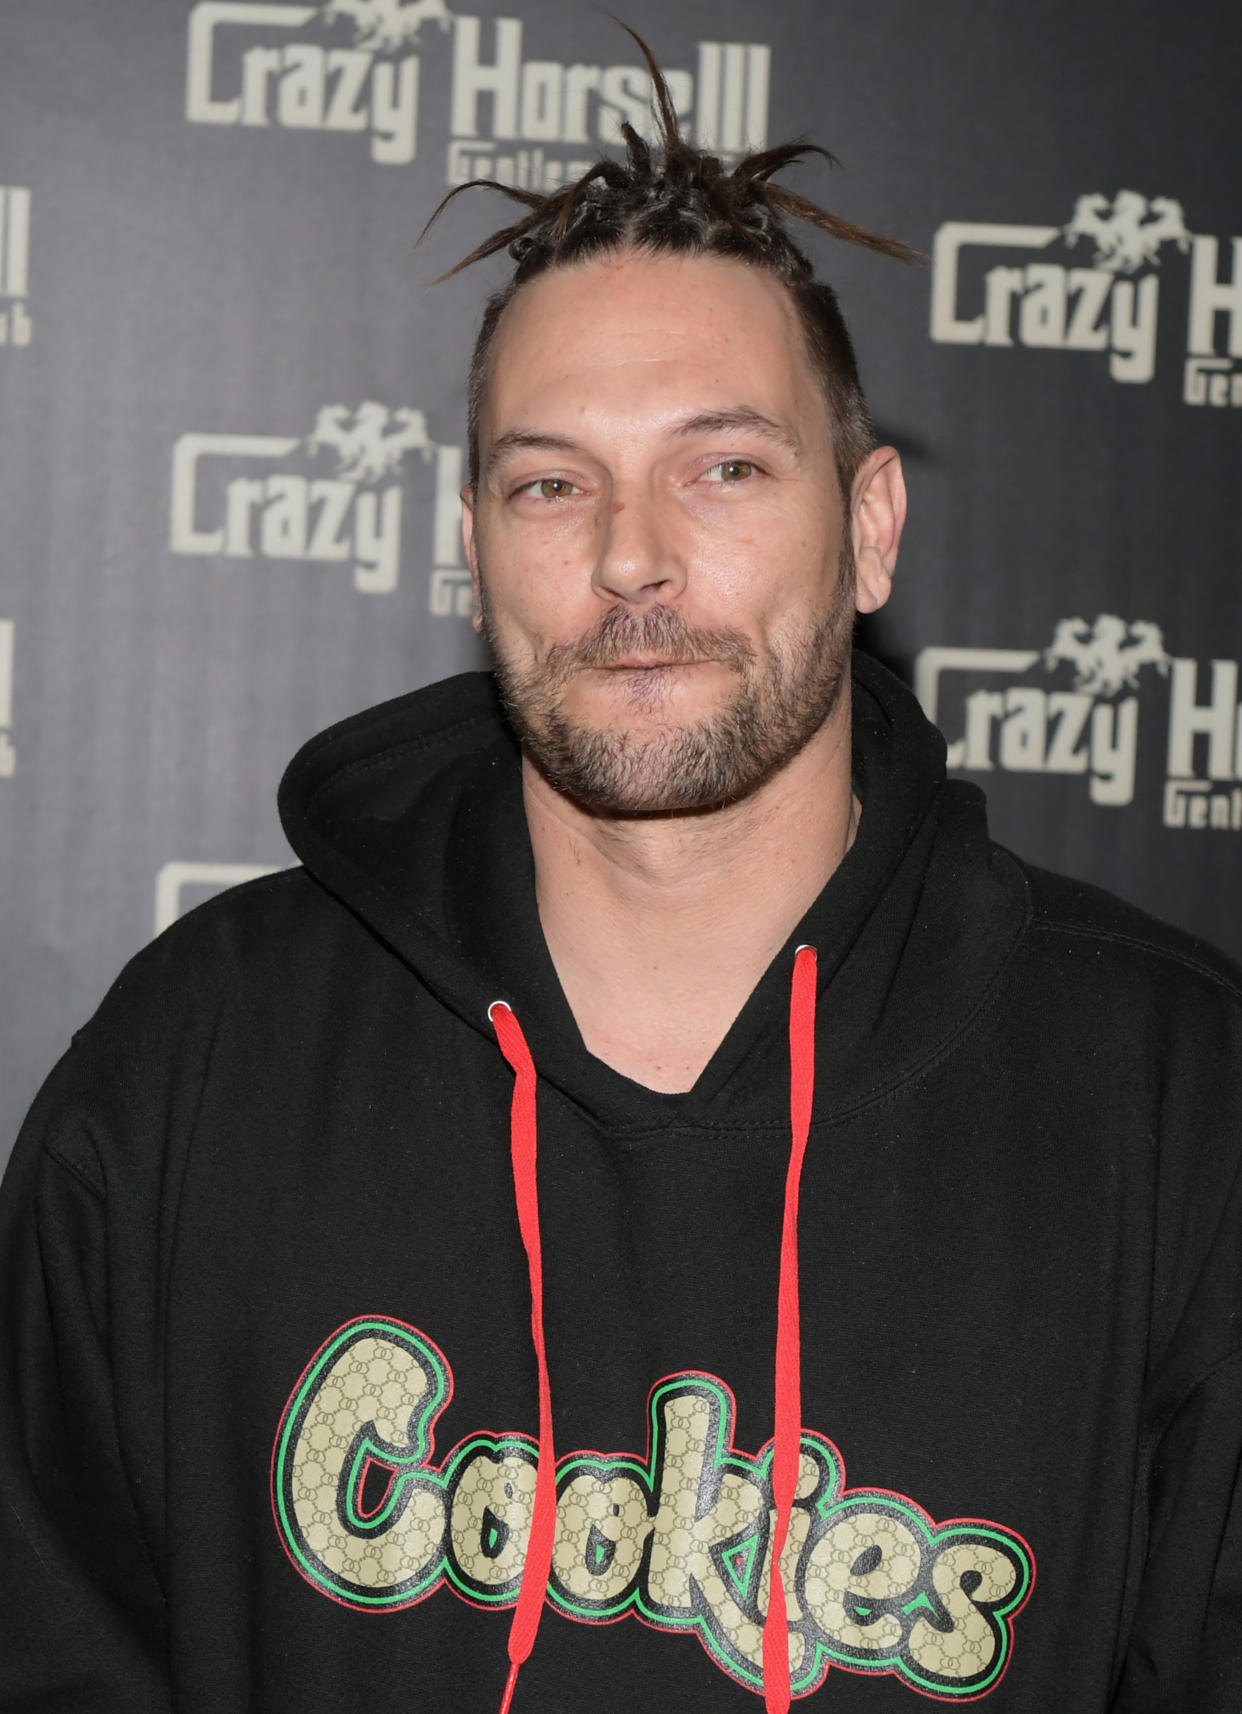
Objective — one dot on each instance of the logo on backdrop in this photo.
(340, 495)
(8, 756)
(15, 323)
(1103, 295)
(385, 26)
(1081, 704)
(355, 66)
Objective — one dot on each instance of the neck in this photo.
(660, 927)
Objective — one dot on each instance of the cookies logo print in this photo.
(1015, 719)
(241, 496)
(345, 66)
(987, 291)
(678, 1538)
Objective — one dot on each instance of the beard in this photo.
(782, 697)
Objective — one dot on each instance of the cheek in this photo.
(535, 592)
(539, 550)
(766, 566)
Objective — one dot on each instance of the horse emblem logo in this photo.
(384, 26)
(1128, 235)
(371, 441)
(1107, 656)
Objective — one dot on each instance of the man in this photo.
(667, 1145)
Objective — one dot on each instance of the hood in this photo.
(411, 815)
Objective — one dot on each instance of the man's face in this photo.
(662, 556)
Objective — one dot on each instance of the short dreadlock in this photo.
(680, 200)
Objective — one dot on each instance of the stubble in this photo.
(782, 696)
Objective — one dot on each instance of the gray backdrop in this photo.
(231, 418)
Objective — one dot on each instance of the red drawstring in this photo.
(787, 1431)
(522, 1146)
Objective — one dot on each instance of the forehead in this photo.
(634, 332)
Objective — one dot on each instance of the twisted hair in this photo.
(676, 199)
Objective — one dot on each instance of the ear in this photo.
(472, 554)
(877, 514)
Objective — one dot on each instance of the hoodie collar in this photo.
(411, 815)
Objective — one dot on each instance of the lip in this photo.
(648, 663)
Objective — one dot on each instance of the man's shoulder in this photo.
(146, 1051)
(261, 935)
(258, 918)
(1090, 919)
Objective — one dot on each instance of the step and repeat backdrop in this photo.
(232, 422)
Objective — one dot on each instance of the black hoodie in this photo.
(268, 1398)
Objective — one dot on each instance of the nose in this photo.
(638, 561)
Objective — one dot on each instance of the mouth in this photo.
(649, 663)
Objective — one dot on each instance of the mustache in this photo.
(661, 633)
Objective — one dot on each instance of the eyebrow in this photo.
(701, 423)
(525, 440)
(738, 417)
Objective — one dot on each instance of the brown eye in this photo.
(731, 470)
(554, 488)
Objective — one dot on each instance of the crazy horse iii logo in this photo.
(1010, 717)
(530, 120)
(15, 321)
(984, 292)
(384, 26)
(242, 496)
(1106, 657)
(1128, 235)
(679, 1538)
(369, 446)
(257, 65)
(8, 756)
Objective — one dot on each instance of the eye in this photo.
(730, 470)
(548, 488)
